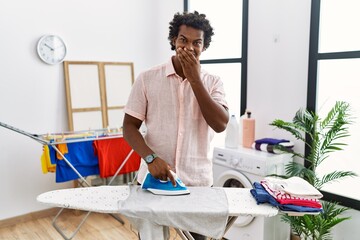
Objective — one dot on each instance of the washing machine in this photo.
(240, 168)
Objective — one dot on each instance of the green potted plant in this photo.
(324, 138)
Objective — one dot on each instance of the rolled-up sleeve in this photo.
(217, 92)
(137, 101)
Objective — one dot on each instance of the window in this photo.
(227, 54)
(334, 73)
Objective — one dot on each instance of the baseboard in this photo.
(29, 216)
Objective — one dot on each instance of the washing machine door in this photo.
(232, 178)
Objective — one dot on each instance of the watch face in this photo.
(150, 158)
(51, 49)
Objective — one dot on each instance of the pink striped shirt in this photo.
(176, 128)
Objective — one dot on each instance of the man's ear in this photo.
(173, 40)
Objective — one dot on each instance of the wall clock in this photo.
(51, 49)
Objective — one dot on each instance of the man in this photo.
(181, 104)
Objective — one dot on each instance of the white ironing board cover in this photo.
(104, 199)
(241, 202)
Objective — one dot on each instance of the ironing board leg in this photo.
(82, 183)
(185, 235)
(229, 223)
(119, 219)
(61, 232)
(112, 179)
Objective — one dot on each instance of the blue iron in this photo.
(159, 187)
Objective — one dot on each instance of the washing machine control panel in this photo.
(251, 160)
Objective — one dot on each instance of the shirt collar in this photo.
(170, 70)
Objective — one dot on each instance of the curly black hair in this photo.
(194, 20)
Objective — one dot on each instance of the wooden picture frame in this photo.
(96, 93)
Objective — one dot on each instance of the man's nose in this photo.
(189, 46)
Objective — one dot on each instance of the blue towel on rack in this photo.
(81, 156)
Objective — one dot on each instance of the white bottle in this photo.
(240, 129)
(232, 133)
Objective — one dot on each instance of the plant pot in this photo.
(294, 237)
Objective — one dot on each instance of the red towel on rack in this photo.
(111, 153)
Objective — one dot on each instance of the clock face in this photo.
(51, 49)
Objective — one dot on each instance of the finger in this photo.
(189, 56)
(184, 55)
(172, 178)
(180, 53)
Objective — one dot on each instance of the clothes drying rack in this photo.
(53, 139)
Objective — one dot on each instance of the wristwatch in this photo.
(150, 158)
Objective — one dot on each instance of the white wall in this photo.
(32, 94)
(277, 61)
(277, 73)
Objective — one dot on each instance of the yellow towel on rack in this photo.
(46, 164)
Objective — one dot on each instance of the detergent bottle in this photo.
(248, 130)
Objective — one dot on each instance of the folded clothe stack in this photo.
(293, 194)
(273, 145)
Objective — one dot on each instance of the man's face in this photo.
(190, 38)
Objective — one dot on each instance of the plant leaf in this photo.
(334, 176)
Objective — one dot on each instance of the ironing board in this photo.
(104, 199)
(53, 139)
